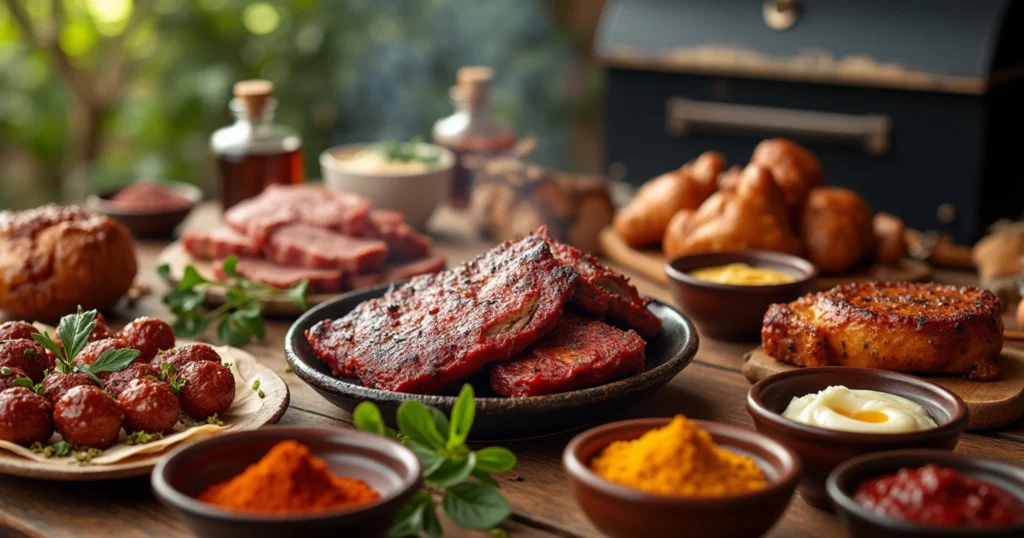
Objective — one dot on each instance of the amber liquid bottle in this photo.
(472, 129)
(254, 152)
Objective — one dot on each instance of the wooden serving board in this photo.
(177, 258)
(651, 264)
(992, 404)
(271, 407)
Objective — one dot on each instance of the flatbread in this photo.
(242, 413)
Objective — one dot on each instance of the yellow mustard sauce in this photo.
(741, 274)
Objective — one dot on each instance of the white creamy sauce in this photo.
(866, 411)
(372, 162)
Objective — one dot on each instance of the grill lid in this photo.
(932, 45)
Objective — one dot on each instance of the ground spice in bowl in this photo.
(289, 479)
(679, 459)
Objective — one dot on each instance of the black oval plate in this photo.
(498, 417)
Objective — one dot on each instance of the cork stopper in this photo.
(254, 95)
(474, 81)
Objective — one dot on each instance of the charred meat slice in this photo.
(907, 327)
(579, 352)
(438, 329)
(601, 292)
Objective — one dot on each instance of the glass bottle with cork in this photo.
(473, 129)
(255, 152)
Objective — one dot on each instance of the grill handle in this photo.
(869, 131)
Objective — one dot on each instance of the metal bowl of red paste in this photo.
(928, 493)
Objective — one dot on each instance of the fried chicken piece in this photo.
(579, 352)
(907, 327)
(836, 228)
(644, 220)
(795, 169)
(752, 215)
(890, 244)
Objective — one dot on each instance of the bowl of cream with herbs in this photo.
(831, 414)
(412, 178)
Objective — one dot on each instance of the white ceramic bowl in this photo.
(415, 195)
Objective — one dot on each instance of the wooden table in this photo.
(712, 388)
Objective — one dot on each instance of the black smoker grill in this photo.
(916, 104)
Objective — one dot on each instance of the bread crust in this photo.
(55, 258)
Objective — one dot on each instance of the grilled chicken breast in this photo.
(920, 328)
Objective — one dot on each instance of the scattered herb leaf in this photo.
(141, 437)
(239, 319)
(460, 476)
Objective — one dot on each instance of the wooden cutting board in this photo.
(992, 404)
(651, 264)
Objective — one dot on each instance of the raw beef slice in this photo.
(219, 242)
(284, 276)
(306, 245)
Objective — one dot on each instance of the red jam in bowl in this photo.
(933, 495)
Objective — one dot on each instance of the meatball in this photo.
(25, 355)
(87, 416)
(57, 384)
(115, 382)
(148, 335)
(187, 354)
(25, 417)
(148, 406)
(92, 351)
(101, 331)
(8, 376)
(16, 330)
(209, 388)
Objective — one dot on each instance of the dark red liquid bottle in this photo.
(254, 152)
(472, 129)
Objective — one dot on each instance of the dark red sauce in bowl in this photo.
(939, 496)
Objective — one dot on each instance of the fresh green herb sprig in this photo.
(413, 150)
(239, 319)
(460, 476)
(74, 331)
(24, 381)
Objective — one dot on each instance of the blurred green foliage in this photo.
(352, 70)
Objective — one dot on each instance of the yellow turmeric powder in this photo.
(679, 459)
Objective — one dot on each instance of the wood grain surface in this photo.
(712, 388)
(651, 264)
(992, 404)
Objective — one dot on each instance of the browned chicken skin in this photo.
(752, 215)
(643, 221)
(836, 228)
(890, 246)
(794, 167)
(921, 328)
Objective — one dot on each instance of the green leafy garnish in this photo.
(141, 437)
(413, 150)
(74, 331)
(460, 476)
(240, 319)
(58, 449)
(169, 374)
(112, 360)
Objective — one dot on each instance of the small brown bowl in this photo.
(863, 523)
(148, 224)
(733, 312)
(821, 450)
(385, 465)
(623, 512)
